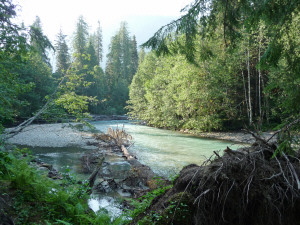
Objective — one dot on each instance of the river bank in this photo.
(54, 135)
(119, 176)
(238, 136)
(67, 134)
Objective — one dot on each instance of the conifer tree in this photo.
(113, 64)
(80, 39)
(121, 65)
(38, 41)
(134, 59)
(92, 59)
(62, 53)
(125, 50)
(98, 44)
(141, 55)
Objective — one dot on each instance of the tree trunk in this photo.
(249, 87)
(259, 84)
(245, 92)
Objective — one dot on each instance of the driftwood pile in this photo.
(250, 186)
(117, 137)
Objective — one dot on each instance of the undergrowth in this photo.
(32, 198)
(141, 204)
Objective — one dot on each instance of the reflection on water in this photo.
(64, 159)
(166, 152)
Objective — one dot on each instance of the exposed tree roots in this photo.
(247, 186)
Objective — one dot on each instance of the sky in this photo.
(144, 17)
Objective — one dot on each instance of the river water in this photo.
(166, 152)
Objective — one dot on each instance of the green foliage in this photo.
(13, 49)
(86, 67)
(177, 210)
(98, 44)
(288, 139)
(39, 43)
(69, 96)
(40, 200)
(144, 202)
(231, 15)
(170, 92)
(62, 54)
(37, 197)
(284, 78)
(37, 75)
(25, 74)
(81, 38)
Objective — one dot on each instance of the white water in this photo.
(106, 202)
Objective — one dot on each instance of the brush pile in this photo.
(116, 137)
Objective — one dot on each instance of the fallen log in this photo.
(126, 153)
(93, 176)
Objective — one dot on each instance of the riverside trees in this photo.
(24, 66)
(241, 65)
(106, 92)
(78, 84)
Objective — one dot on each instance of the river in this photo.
(164, 151)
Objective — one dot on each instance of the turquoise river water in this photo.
(165, 151)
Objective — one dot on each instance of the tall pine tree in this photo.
(80, 40)
(134, 59)
(98, 43)
(62, 54)
(38, 41)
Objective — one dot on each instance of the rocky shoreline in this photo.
(66, 134)
(110, 117)
(53, 135)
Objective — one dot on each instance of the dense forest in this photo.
(77, 86)
(225, 70)
(238, 66)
